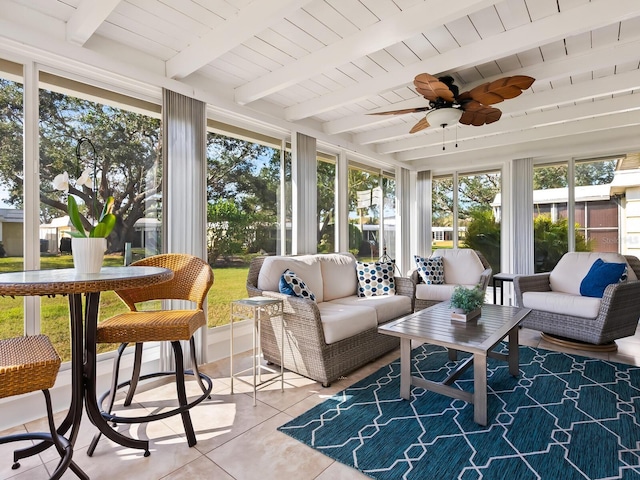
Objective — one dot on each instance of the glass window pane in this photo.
(243, 190)
(442, 212)
(550, 196)
(389, 191)
(596, 210)
(326, 205)
(478, 226)
(118, 151)
(365, 201)
(11, 199)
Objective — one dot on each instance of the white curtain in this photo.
(403, 225)
(522, 215)
(184, 192)
(424, 204)
(304, 172)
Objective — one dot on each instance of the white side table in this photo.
(257, 309)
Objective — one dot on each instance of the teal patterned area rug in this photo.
(565, 417)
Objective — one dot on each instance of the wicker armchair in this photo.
(191, 281)
(483, 280)
(306, 350)
(29, 364)
(617, 318)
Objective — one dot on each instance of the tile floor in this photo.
(235, 439)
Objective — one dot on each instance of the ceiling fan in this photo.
(447, 106)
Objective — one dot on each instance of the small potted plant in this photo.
(466, 302)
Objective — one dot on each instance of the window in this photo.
(478, 226)
(596, 210)
(119, 149)
(365, 207)
(326, 203)
(243, 211)
(11, 199)
(442, 212)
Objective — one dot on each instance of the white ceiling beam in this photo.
(389, 31)
(605, 56)
(591, 144)
(522, 123)
(568, 94)
(577, 20)
(248, 22)
(547, 128)
(87, 18)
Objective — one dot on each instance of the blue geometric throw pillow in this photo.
(600, 275)
(375, 279)
(291, 284)
(431, 270)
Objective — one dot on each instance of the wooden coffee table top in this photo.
(434, 325)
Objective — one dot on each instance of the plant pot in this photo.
(88, 254)
(459, 314)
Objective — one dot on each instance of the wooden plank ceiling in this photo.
(326, 64)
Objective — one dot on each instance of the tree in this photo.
(483, 234)
(127, 151)
(551, 242)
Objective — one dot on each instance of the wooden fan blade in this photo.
(499, 90)
(421, 125)
(400, 112)
(431, 88)
(477, 114)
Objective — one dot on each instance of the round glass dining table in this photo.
(84, 321)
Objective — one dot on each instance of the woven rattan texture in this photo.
(27, 364)
(617, 318)
(306, 351)
(484, 281)
(152, 326)
(192, 278)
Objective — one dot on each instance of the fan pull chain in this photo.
(443, 137)
(456, 128)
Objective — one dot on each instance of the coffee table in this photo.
(478, 337)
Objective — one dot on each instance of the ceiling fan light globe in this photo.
(444, 117)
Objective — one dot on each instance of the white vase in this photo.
(88, 254)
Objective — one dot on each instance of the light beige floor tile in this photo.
(6, 455)
(222, 418)
(200, 469)
(274, 456)
(339, 471)
(37, 473)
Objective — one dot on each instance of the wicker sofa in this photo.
(327, 338)
(563, 315)
(462, 266)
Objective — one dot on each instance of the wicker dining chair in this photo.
(29, 364)
(192, 280)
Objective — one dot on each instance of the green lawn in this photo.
(228, 285)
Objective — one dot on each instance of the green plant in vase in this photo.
(467, 299)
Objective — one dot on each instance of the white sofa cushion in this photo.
(436, 293)
(306, 267)
(344, 321)
(573, 266)
(562, 303)
(387, 307)
(338, 275)
(462, 266)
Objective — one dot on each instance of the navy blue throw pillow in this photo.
(599, 276)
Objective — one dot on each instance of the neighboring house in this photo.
(52, 233)
(11, 231)
(608, 215)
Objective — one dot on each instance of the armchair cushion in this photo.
(305, 266)
(599, 276)
(462, 266)
(574, 266)
(562, 303)
(291, 284)
(375, 279)
(431, 270)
